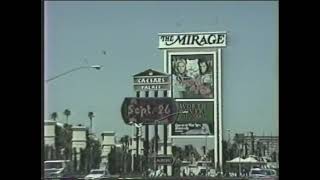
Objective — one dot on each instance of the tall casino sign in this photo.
(193, 60)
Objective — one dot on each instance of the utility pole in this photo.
(137, 148)
(155, 144)
(252, 143)
(165, 139)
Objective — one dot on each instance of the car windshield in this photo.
(267, 172)
(51, 165)
(257, 172)
(97, 172)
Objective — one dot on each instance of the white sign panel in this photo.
(192, 40)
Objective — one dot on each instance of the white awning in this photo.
(236, 160)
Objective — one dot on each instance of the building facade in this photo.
(267, 146)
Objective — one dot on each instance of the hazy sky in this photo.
(128, 32)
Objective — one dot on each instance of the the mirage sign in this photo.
(192, 40)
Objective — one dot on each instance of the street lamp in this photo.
(97, 67)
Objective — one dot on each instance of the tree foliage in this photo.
(67, 113)
(54, 116)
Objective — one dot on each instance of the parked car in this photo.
(97, 174)
(57, 168)
(265, 174)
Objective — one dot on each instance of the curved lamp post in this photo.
(97, 67)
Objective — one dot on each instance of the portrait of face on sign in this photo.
(192, 76)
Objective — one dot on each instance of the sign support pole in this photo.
(137, 149)
(155, 145)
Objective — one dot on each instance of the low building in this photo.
(49, 133)
(108, 141)
(264, 145)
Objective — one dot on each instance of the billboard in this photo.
(199, 120)
(193, 59)
(199, 111)
(148, 110)
(192, 129)
(192, 76)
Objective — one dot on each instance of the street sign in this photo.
(148, 110)
(164, 160)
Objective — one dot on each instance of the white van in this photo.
(98, 174)
(263, 173)
(57, 168)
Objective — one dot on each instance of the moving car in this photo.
(257, 173)
(96, 174)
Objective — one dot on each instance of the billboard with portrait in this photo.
(193, 59)
(192, 76)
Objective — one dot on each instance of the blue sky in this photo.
(127, 31)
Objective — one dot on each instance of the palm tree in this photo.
(274, 156)
(152, 142)
(225, 153)
(246, 149)
(123, 150)
(203, 149)
(128, 162)
(68, 141)
(210, 154)
(191, 152)
(91, 116)
(75, 162)
(67, 113)
(177, 152)
(259, 149)
(239, 141)
(54, 116)
(264, 149)
(125, 146)
(187, 152)
(233, 151)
